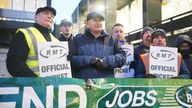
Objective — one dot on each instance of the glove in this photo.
(93, 61)
(99, 64)
(149, 76)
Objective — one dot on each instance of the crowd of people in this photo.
(95, 53)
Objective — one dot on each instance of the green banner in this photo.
(95, 93)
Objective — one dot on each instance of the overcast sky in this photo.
(64, 9)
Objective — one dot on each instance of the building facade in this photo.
(171, 15)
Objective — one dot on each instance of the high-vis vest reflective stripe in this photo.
(145, 59)
(33, 36)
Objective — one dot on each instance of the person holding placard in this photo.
(118, 33)
(159, 38)
(145, 44)
(128, 69)
(22, 57)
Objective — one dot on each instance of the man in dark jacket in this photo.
(66, 29)
(95, 54)
(145, 43)
(159, 38)
(184, 45)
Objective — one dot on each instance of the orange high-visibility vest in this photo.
(145, 59)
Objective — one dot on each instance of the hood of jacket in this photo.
(183, 38)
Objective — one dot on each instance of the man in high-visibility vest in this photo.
(159, 38)
(22, 57)
(145, 44)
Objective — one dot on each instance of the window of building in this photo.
(30, 5)
(5, 4)
(175, 7)
(18, 5)
(131, 16)
(41, 3)
(22, 5)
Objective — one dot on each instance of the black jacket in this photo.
(140, 49)
(70, 39)
(186, 56)
(18, 53)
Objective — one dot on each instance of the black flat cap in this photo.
(41, 9)
(65, 22)
(94, 15)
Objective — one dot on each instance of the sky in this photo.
(64, 9)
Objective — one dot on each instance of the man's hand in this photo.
(100, 64)
(97, 63)
(93, 61)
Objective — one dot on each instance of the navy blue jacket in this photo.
(86, 46)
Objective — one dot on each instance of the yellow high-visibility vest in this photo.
(33, 36)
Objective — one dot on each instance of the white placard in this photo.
(53, 59)
(163, 62)
(125, 71)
